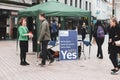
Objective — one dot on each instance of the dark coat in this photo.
(95, 31)
(44, 31)
(114, 34)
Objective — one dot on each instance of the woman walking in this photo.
(113, 50)
(99, 35)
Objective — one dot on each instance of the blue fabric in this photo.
(87, 43)
(52, 43)
(54, 27)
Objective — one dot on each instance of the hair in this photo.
(114, 20)
(98, 23)
(21, 20)
(53, 20)
(42, 14)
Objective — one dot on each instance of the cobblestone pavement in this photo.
(89, 69)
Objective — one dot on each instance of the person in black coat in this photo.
(113, 50)
(83, 31)
(99, 40)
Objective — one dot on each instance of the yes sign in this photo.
(68, 45)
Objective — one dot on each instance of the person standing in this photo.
(99, 35)
(83, 31)
(54, 31)
(44, 38)
(113, 50)
(23, 40)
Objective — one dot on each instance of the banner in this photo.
(68, 45)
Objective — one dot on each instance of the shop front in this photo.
(8, 24)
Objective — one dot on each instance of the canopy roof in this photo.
(54, 8)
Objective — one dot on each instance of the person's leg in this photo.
(55, 37)
(113, 58)
(98, 45)
(25, 50)
(50, 56)
(83, 37)
(52, 36)
(22, 52)
(44, 51)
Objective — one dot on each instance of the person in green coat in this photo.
(24, 35)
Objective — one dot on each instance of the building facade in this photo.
(117, 9)
(8, 17)
(100, 9)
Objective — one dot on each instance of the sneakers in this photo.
(114, 71)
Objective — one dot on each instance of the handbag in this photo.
(117, 43)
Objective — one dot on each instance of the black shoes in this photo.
(51, 60)
(100, 57)
(24, 63)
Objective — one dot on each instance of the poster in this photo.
(68, 45)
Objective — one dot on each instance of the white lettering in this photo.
(64, 53)
(69, 55)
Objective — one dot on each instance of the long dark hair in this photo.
(98, 23)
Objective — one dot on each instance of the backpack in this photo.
(100, 32)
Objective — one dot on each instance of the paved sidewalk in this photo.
(89, 69)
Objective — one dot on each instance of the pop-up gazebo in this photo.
(53, 8)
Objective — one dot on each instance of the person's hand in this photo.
(30, 35)
(110, 40)
(38, 42)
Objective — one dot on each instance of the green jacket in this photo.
(22, 31)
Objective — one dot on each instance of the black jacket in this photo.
(114, 34)
(95, 31)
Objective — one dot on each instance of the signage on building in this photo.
(14, 13)
(68, 45)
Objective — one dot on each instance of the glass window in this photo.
(24, 1)
(89, 6)
(65, 1)
(86, 5)
(71, 1)
(75, 3)
(80, 3)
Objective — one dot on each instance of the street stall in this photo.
(53, 9)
